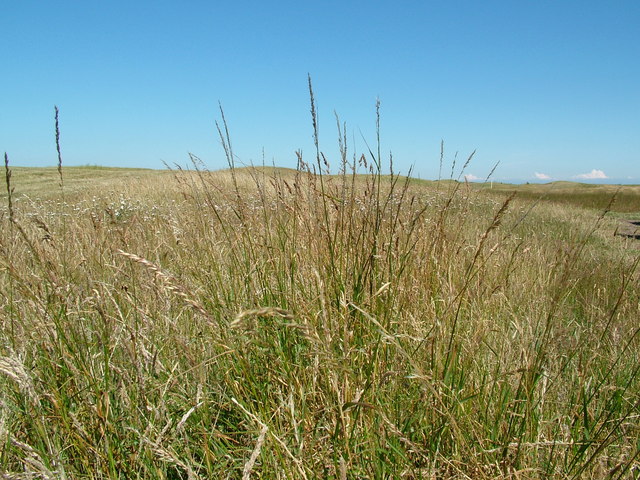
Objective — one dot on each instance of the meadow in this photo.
(324, 322)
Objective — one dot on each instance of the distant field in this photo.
(598, 197)
(273, 323)
(44, 182)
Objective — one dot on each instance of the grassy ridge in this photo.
(43, 182)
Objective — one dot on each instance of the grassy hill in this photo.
(45, 182)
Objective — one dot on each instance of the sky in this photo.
(548, 90)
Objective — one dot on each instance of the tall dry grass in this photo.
(266, 323)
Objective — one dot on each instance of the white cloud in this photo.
(542, 176)
(471, 178)
(592, 175)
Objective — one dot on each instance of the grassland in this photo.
(258, 323)
(626, 198)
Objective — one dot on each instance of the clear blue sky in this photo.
(547, 88)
